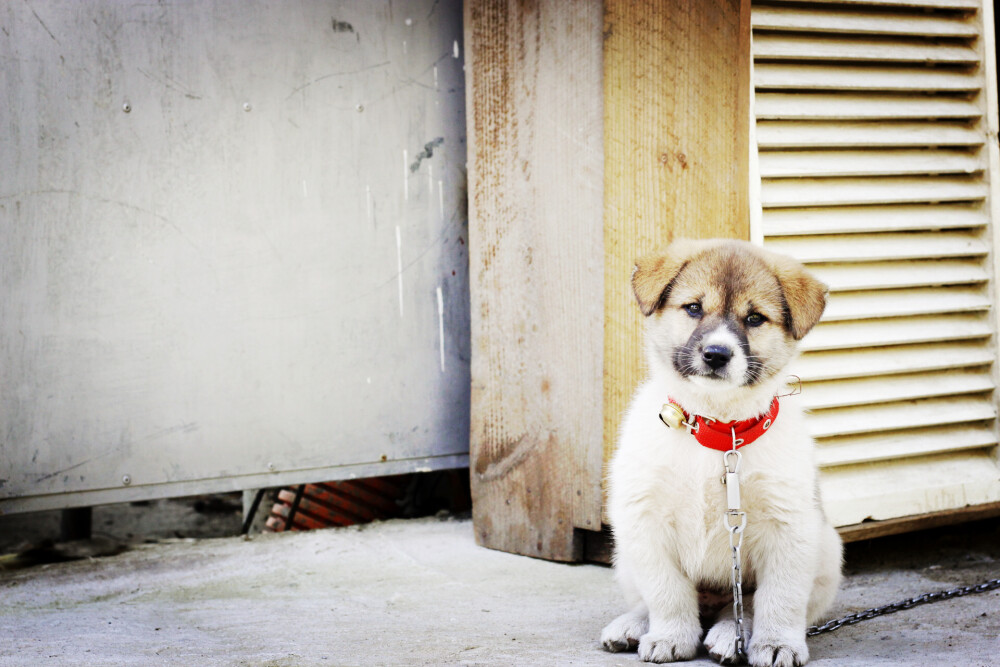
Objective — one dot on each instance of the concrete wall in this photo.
(232, 245)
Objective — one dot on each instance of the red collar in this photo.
(719, 435)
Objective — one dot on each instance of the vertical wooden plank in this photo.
(533, 81)
(676, 123)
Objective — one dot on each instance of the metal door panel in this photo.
(232, 246)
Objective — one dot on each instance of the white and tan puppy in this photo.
(722, 322)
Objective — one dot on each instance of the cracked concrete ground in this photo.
(420, 592)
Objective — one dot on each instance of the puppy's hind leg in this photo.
(623, 633)
(721, 639)
(828, 573)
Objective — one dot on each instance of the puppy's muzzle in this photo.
(716, 356)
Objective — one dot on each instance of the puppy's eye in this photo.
(693, 309)
(755, 320)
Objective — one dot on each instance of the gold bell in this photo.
(672, 415)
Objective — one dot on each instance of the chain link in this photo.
(735, 543)
(857, 617)
(731, 478)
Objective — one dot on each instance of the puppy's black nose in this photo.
(716, 356)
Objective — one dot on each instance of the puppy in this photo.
(722, 322)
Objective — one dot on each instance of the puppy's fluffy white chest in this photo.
(664, 473)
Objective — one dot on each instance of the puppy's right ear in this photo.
(654, 274)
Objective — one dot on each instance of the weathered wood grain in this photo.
(535, 230)
(676, 122)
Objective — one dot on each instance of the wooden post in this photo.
(676, 149)
(533, 73)
(552, 237)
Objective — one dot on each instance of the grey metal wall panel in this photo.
(232, 245)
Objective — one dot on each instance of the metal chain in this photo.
(735, 520)
(851, 619)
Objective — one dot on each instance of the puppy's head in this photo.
(725, 314)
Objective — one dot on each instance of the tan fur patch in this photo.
(804, 294)
(654, 273)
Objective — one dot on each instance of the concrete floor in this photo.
(420, 592)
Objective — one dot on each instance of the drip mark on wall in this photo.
(441, 200)
(441, 324)
(455, 49)
(435, 77)
(406, 174)
(399, 268)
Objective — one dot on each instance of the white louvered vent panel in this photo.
(873, 166)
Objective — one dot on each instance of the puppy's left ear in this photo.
(805, 296)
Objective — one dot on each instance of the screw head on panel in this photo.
(127, 107)
(126, 480)
(246, 106)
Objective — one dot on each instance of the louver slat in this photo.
(903, 444)
(870, 23)
(876, 361)
(821, 106)
(896, 331)
(854, 191)
(877, 247)
(909, 4)
(873, 390)
(895, 416)
(806, 48)
(851, 219)
(898, 303)
(824, 134)
(779, 76)
(797, 164)
(888, 275)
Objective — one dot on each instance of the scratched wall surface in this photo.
(232, 245)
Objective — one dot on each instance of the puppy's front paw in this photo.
(623, 633)
(668, 647)
(777, 652)
(721, 641)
